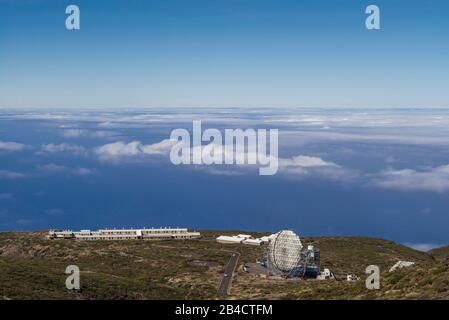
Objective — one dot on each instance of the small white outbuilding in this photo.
(227, 239)
(254, 242)
(401, 264)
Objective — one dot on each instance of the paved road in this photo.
(225, 284)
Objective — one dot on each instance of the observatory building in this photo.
(287, 257)
(125, 234)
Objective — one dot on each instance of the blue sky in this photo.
(248, 53)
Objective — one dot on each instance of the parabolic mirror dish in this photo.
(284, 252)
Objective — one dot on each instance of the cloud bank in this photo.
(431, 179)
(12, 146)
(120, 150)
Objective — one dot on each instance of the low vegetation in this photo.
(32, 267)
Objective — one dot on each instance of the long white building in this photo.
(125, 234)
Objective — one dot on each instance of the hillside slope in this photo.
(32, 267)
(441, 253)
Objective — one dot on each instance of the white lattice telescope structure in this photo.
(284, 253)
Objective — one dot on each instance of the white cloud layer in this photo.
(79, 133)
(119, 149)
(431, 179)
(300, 165)
(305, 162)
(82, 172)
(12, 146)
(52, 168)
(308, 166)
(298, 127)
(63, 147)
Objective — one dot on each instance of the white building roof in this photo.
(267, 238)
(252, 241)
(229, 239)
(244, 236)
